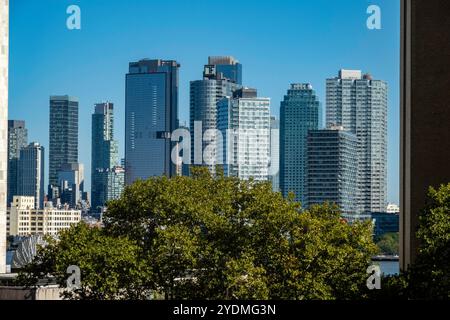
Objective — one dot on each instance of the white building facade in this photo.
(359, 104)
(24, 220)
(244, 122)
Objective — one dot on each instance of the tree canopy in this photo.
(205, 237)
(429, 277)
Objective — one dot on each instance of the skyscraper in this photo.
(4, 45)
(331, 168)
(114, 179)
(71, 184)
(244, 123)
(224, 67)
(300, 112)
(275, 153)
(17, 140)
(105, 153)
(359, 104)
(221, 76)
(151, 109)
(31, 167)
(63, 135)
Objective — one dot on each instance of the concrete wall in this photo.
(18, 293)
(4, 46)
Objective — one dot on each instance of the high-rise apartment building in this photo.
(31, 168)
(331, 169)
(221, 76)
(244, 123)
(300, 112)
(17, 140)
(105, 153)
(151, 109)
(63, 136)
(114, 180)
(359, 104)
(4, 55)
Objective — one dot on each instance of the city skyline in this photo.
(381, 61)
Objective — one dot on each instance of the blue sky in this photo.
(278, 43)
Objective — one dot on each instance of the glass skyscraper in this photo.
(221, 76)
(114, 180)
(105, 153)
(151, 109)
(17, 140)
(300, 112)
(71, 184)
(275, 153)
(31, 168)
(331, 169)
(63, 136)
(244, 121)
(359, 104)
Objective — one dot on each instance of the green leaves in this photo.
(111, 267)
(389, 244)
(429, 278)
(210, 237)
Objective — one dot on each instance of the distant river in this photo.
(389, 267)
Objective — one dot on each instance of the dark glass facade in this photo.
(151, 109)
(17, 140)
(63, 135)
(332, 170)
(104, 152)
(31, 168)
(385, 223)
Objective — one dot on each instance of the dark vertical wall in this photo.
(425, 111)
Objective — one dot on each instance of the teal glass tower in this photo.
(105, 153)
(300, 112)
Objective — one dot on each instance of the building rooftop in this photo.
(64, 98)
(227, 60)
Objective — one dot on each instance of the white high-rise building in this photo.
(244, 121)
(359, 104)
(4, 41)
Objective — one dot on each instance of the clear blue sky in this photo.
(278, 43)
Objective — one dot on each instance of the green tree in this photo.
(110, 266)
(429, 277)
(388, 244)
(222, 238)
(205, 237)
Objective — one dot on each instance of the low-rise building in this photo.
(385, 223)
(392, 208)
(23, 219)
